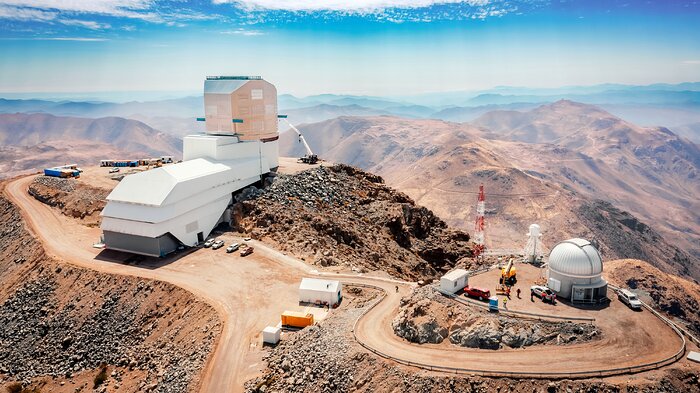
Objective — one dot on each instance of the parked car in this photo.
(246, 239)
(114, 170)
(543, 293)
(479, 293)
(233, 247)
(630, 299)
(217, 245)
(209, 243)
(247, 251)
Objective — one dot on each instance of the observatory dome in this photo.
(576, 258)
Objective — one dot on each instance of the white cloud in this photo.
(120, 8)
(85, 23)
(82, 39)
(8, 12)
(243, 32)
(691, 62)
(358, 6)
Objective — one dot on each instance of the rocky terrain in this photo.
(62, 325)
(72, 198)
(538, 166)
(426, 316)
(342, 216)
(677, 297)
(325, 358)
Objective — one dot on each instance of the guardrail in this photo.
(513, 312)
(599, 373)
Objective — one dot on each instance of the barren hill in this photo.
(441, 165)
(30, 142)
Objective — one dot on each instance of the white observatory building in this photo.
(154, 212)
(575, 268)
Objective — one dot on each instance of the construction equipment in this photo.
(310, 157)
(508, 275)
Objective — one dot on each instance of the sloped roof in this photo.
(222, 86)
(456, 274)
(154, 186)
(315, 284)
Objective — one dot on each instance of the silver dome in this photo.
(576, 258)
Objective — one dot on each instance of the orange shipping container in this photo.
(297, 319)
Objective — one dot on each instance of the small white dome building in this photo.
(574, 271)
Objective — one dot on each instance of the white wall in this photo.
(452, 286)
(312, 296)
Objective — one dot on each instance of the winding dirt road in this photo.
(250, 293)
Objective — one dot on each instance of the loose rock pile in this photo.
(46, 335)
(342, 216)
(428, 317)
(74, 199)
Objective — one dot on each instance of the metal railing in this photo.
(516, 374)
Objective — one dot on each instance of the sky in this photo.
(362, 47)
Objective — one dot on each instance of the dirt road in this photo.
(249, 293)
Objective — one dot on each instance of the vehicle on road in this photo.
(630, 299)
(217, 245)
(543, 293)
(246, 239)
(479, 293)
(114, 170)
(233, 247)
(209, 243)
(247, 251)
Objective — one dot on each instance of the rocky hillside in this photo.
(342, 216)
(573, 154)
(677, 297)
(425, 316)
(62, 325)
(621, 235)
(74, 199)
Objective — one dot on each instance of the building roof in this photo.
(456, 274)
(177, 181)
(315, 284)
(223, 86)
(576, 258)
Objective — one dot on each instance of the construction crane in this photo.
(310, 157)
(508, 274)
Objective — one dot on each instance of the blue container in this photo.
(134, 163)
(52, 172)
(493, 303)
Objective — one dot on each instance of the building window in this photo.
(256, 94)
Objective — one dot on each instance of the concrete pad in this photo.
(694, 356)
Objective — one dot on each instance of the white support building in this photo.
(154, 212)
(317, 291)
(454, 281)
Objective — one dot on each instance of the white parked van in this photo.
(630, 299)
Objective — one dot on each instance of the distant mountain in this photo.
(656, 97)
(462, 113)
(690, 131)
(575, 154)
(130, 135)
(180, 107)
(322, 112)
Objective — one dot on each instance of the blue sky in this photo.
(374, 47)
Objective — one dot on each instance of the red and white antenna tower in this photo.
(479, 225)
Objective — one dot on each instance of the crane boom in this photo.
(301, 138)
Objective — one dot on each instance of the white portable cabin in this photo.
(317, 291)
(454, 281)
(272, 334)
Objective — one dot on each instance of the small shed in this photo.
(318, 291)
(271, 334)
(454, 281)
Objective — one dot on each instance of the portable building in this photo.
(297, 319)
(54, 172)
(272, 334)
(317, 291)
(454, 281)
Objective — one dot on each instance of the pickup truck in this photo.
(247, 251)
(209, 243)
(479, 293)
(217, 245)
(233, 247)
